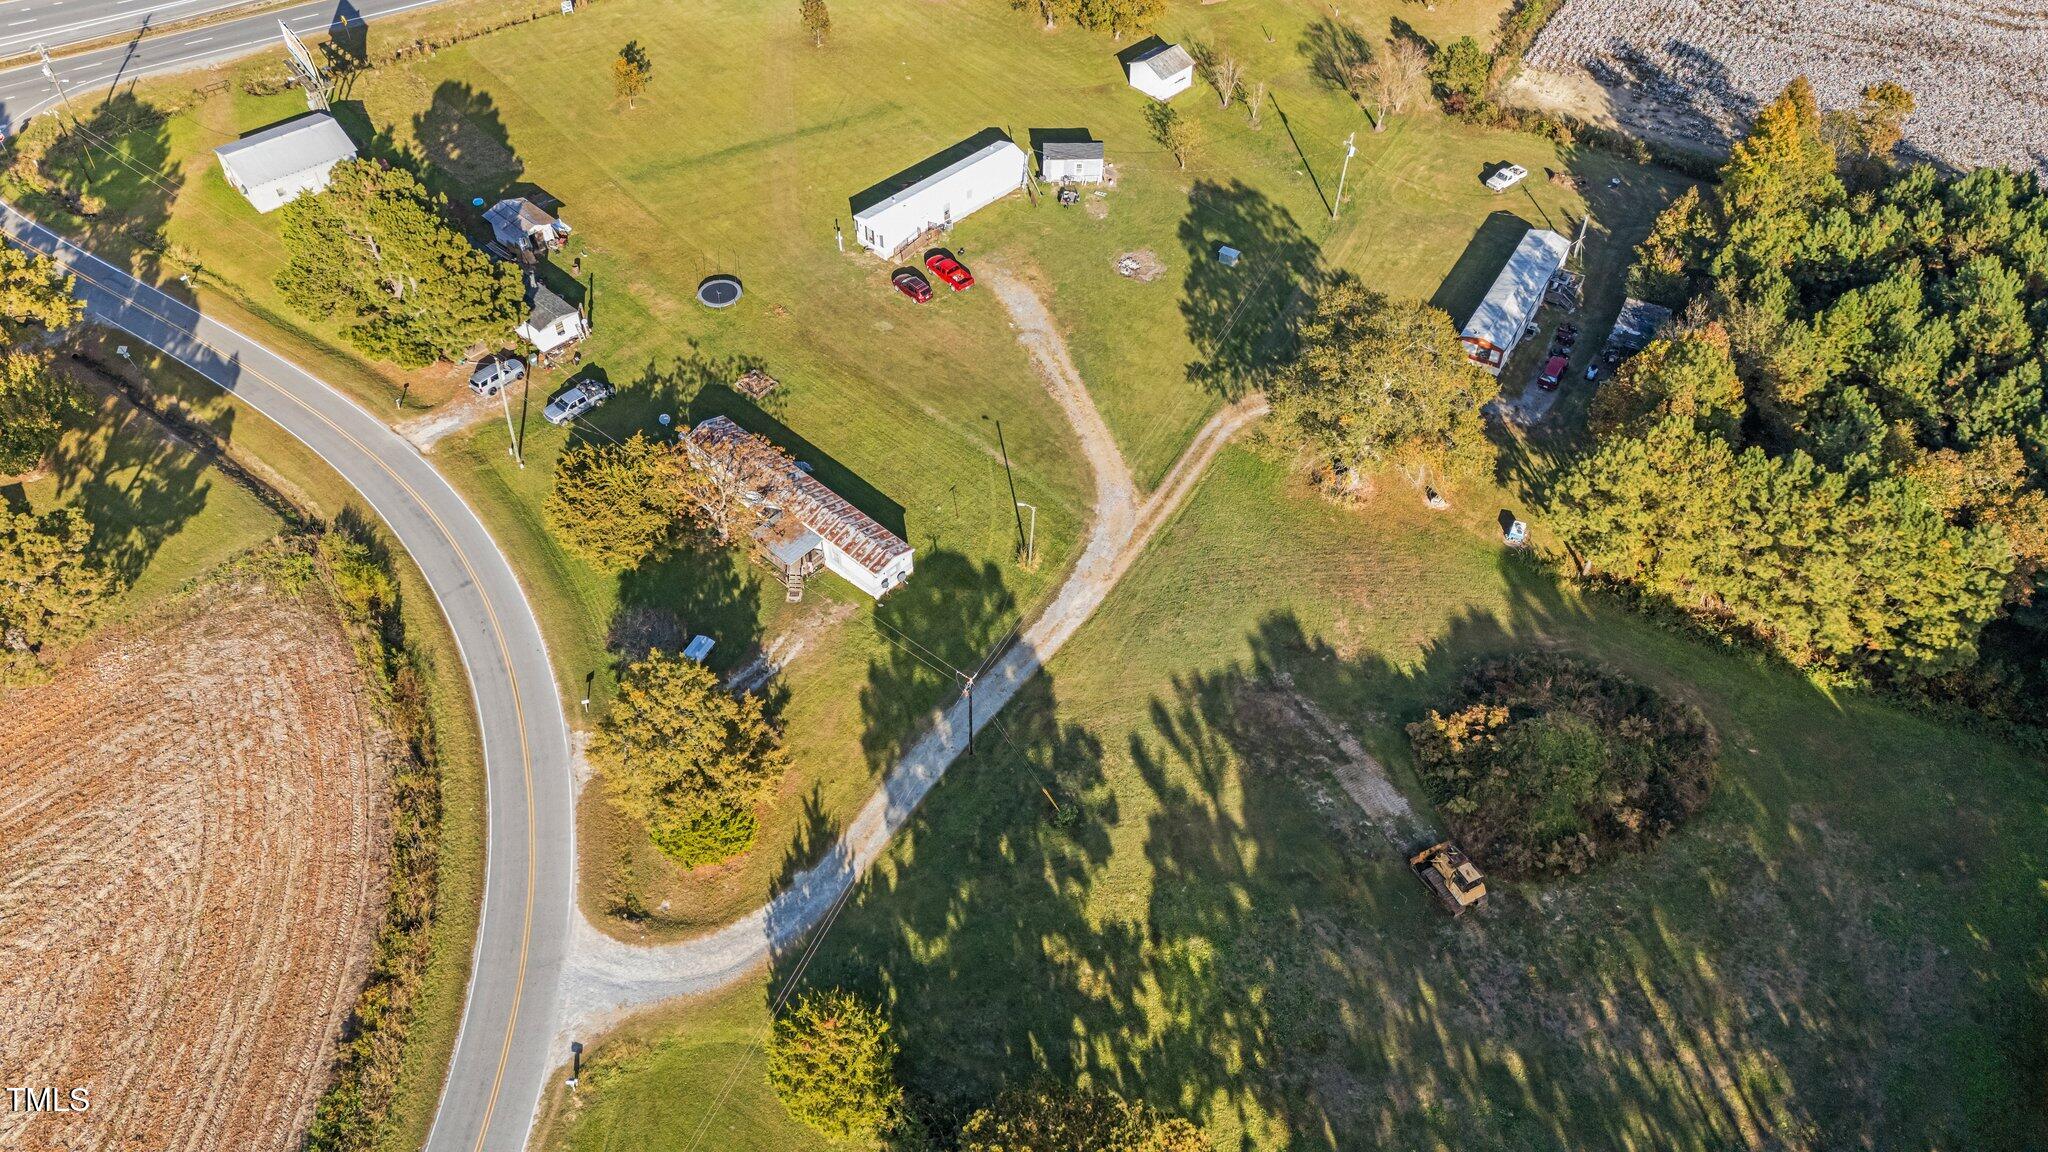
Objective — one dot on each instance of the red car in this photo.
(948, 269)
(912, 285)
(1553, 371)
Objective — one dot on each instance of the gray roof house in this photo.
(285, 161)
(522, 227)
(551, 322)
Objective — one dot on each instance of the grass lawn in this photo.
(742, 160)
(1156, 886)
(161, 514)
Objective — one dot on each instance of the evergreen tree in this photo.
(35, 398)
(374, 251)
(1691, 375)
(1462, 71)
(832, 1062)
(618, 504)
(688, 758)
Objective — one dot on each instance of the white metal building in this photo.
(285, 161)
(805, 526)
(941, 199)
(1078, 162)
(1501, 318)
(1163, 73)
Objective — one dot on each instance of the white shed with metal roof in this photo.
(1503, 316)
(285, 161)
(1163, 73)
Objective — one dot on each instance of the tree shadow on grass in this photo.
(1236, 315)
(948, 619)
(111, 174)
(1333, 48)
(1270, 974)
(465, 144)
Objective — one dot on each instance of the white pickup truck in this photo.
(580, 398)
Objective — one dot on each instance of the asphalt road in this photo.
(25, 91)
(505, 1053)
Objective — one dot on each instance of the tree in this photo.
(686, 757)
(1378, 381)
(35, 399)
(1255, 104)
(1174, 132)
(816, 20)
(1132, 17)
(1462, 71)
(50, 587)
(618, 504)
(632, 71)
(730, 479)
(1691, 375)
(374, 251)
(832, 1062)
(1392, 78)
(1227, 75)
(1063, 1120)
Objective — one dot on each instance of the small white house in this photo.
(1078, 162)
(1503, 316)
(942, 199)
(806, 526)
(285, 161)
(551, 322)
(523, 228)
(1164, 72)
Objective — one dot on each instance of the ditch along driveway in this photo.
(609, 978)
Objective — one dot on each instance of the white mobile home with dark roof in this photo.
(285, 161)
(1501, 318)
(942, 199)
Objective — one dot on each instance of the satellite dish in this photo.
(665, 419)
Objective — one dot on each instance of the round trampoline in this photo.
(719, 292)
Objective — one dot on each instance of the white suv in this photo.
(494, 376)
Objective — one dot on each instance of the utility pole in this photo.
(1350, 150)
(50, 74)
(970, 717)
(511, 436)
(1030, 535)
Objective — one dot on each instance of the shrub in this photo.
(1550, 763)
(833, 1064)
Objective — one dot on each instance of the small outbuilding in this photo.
(1638, 323)
(551, 323)
(285, 161)
(1163, 73)
(942, 199)
(1070, 162)
(1503, 317)
(524, 229)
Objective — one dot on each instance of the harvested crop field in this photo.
(192, 841)
(1695, 70)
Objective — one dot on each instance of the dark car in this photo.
(950, 270)
(1553, 371)
(912, 285)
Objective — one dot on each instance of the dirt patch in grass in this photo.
(1142, 265)
(1297, 736)
(192, 821)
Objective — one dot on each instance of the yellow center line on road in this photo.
(490, 611)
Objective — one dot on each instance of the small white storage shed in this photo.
(285, 161)
(1164, 72)
(1071, 163)
(941, 199)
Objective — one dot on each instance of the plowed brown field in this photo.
(192, 845)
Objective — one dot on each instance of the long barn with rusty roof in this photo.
(806, 525)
